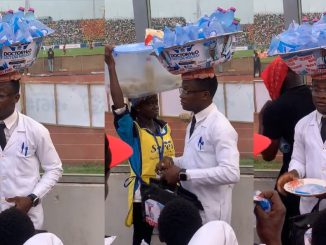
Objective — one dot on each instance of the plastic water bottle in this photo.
(214, 28)
(193, 31)
(235, 26)
(307, 39)
(322, 19)
(30, 14)
(158, 45)
(20, 27)
(8, 16)
(202, 21)
(322, 38)
(181, 36)
(169, 37)
(20, 13)
(273, 48)
(229, 17)
(36, 28)
(218, 14)
(201, 33)
(6, 33)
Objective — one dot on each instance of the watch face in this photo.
(183, 176)
(36, 201)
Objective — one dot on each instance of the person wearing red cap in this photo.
(308, 157)
(25, 145)
(150, 139)
(291, 100)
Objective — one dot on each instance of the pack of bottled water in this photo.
(220, 22)
(21, 27)
(21, 36)
(310, 34)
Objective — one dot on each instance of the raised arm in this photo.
(115, 89)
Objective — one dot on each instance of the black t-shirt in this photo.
(282, 115)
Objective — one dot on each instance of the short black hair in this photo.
(15, 227)
(209, 84)
(15, 85)
(318, 236)
(178, 222)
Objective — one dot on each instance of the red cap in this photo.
(10, 11)
(120, 151)
(31, 10)
(21, 9)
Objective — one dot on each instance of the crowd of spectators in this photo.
(121, 31)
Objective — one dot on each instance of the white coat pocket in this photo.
(25, 165)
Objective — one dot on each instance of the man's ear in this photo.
(17, 97)
(207, 94)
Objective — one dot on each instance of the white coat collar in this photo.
(21, 123)
(315, 118)
(318, 118)
(11, 120)
(204, 113)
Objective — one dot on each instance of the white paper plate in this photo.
(306, 187)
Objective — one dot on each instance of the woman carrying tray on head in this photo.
(150, 139)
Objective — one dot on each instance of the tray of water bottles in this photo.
(307, 61)
(303, 47)
(202, 44)
(21, 37)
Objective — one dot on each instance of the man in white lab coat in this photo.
(309, 150)
(24, 146)
(209, 166)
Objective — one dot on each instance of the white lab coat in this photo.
(44, 239)
(211, 158)
(19, 168)
(214, 233)
(309, 156)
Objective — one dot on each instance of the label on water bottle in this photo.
(19, 56)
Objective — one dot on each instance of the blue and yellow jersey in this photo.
(148, 149)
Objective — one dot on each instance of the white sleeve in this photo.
(50, 163)
(121, 110)
(177, 161)
(227, 171)
(298, 161)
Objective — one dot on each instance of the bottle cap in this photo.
(220, 9)
(10, 11)
(233, 9)
(31, 10)
(236, 21)
(21, 9)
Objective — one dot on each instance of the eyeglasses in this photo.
(186, 92)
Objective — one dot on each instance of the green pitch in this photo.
(73, 52)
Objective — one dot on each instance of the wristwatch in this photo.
(183, 175)
(35, 199)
